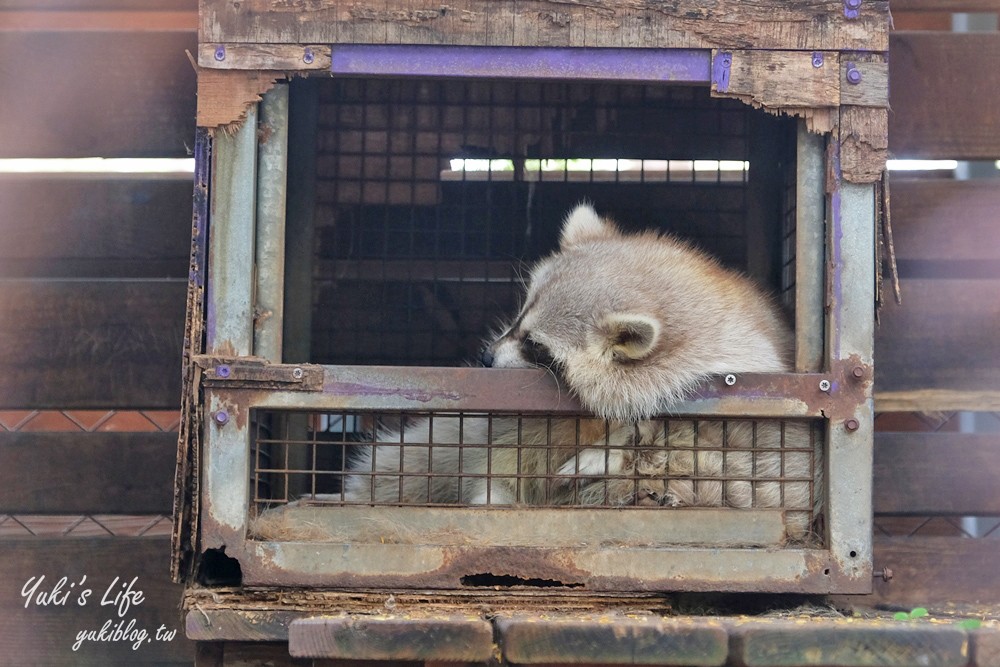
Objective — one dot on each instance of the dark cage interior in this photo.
(433, 195)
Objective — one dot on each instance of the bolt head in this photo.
(858, 372)
(852, 425)
(853, 74)
(221, 417)
(222, 371)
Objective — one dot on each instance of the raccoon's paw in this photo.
(651, 493)
(590, 464)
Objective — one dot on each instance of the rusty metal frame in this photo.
(233, 384)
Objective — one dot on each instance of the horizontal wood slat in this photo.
(935, 571)
(944, 96)
(87, 473)
(78, 344)
(945, 6)
(44, 635)
(939, 350)
(806, 25)
(104, 5)
(937, 473)
(96, 94)
(950, 221)
(103, 21)
(94, 228)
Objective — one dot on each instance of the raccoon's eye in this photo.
(536, 353)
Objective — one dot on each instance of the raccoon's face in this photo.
(583, 318)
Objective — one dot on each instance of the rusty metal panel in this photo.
(810, 213)
(851, 244)
(269, 250)
(527, 527)
(590, 568)
(229, 316)
(533, 390)
(464, 638)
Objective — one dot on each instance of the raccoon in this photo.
(631, 324)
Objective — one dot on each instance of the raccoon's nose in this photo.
(487, 358)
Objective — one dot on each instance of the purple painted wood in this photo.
(599, 64)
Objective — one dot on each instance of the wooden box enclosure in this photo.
(357, 232)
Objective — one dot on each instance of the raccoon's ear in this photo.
(630, 336)
(583, 224)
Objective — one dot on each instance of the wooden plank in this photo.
(936, 473)
(79, 344)
(98, 21)
(806, 25)
(87, 473)
(96, 94)
(945, 6)
(95, 229)
(946, 228)
(939, 350)
(224, 96)
(781, 78)
(935, 571)
(863, 143)
(945, 102)
(104, 5)
(33, 634)
(265, 56)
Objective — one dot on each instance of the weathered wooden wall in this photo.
(938, 351)
(92, 288)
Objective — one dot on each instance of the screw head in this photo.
(222, 371)
(730, 380)
(852, 425)
(221, 417)
(308, 57)
(297, 373)
(824, 385)
(852, 4)
(817, 59)
(853, 74)
(220, 53)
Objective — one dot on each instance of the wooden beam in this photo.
(953, 225)
(98, 21)
(94, 229)
(32, 634)
(631, 23)
(944, 99)
(937, 473)
(104, 94)
(87, 473)
(79, 344)
(939, 350)
(934, 572)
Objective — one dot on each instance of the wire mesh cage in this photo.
(435, 201)
(488, 459)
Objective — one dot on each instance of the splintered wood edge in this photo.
(224, 96)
